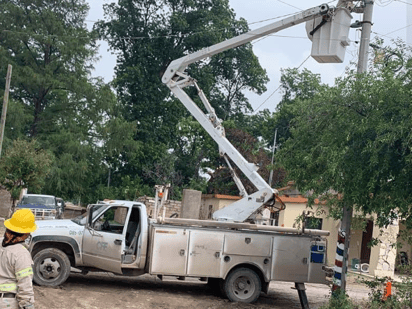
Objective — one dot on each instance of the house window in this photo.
(313, 223)
(274, 218)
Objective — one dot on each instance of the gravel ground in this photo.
(102, 290)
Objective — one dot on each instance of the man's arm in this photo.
(24, 277)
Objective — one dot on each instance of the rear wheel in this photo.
(51, 267)
(242, 285)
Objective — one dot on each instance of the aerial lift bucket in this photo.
(329, 36)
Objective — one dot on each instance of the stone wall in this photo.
(5, 202)
(172, 207)
(387, 251)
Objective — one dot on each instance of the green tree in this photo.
(24, 165)
(146, 36)
(295, 86)
(50, 50)
(54, 99)
(354, 139)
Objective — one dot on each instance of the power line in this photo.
(278, 87)
(295, 7)
(389, 37)
(170, 35)
(399, 29)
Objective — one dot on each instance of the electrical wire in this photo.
(398, 29)
(165, 36)
(389, 37)
(145, 37)
(257, 109)
(295, 7)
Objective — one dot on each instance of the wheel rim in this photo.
(50, 268)
(243, 287)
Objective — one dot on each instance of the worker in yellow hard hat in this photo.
(16, 273)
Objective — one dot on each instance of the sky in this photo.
(391, 19)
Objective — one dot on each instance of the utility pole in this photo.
(365, 37)
(273, 155)
(5, 102)
(342, 251)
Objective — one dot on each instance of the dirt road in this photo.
(104, 291)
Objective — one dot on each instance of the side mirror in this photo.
(89, 217)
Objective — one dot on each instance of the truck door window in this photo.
(112, 220)
(133, 228)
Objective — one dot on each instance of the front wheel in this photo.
(242, 285)
(51, 267)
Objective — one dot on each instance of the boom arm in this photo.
(176, 80)
(179, 65)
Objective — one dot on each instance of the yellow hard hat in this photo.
(21, 222)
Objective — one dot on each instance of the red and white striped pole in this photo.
(337, 271)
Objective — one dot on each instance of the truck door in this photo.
(205, 253)
(169, 251)
(291, 257)
(104, 242)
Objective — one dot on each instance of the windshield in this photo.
(97, 210)
(42, 200)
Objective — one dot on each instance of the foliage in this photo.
(50, 50)
(353, 138)
(195, 151)
(399, 299)
(295, 85)
(146, 36)
(54, 99)
(24, 164)
(339, 301)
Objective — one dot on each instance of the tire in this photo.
(242, 285)
(51, 267)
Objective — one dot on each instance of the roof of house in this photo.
(298, 199)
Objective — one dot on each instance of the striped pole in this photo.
(337, 271)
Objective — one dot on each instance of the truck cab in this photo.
(44, 207)
(108, 237)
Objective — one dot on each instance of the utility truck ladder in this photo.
(176, 80)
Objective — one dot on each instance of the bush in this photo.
(401, 297)
(339, 300)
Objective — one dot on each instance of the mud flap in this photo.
(265, 287)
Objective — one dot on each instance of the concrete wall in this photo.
(5, 203)
(191, 202)
(213, 202)
(355, 245)
(120, 215)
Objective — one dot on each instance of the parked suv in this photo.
(44, 207)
